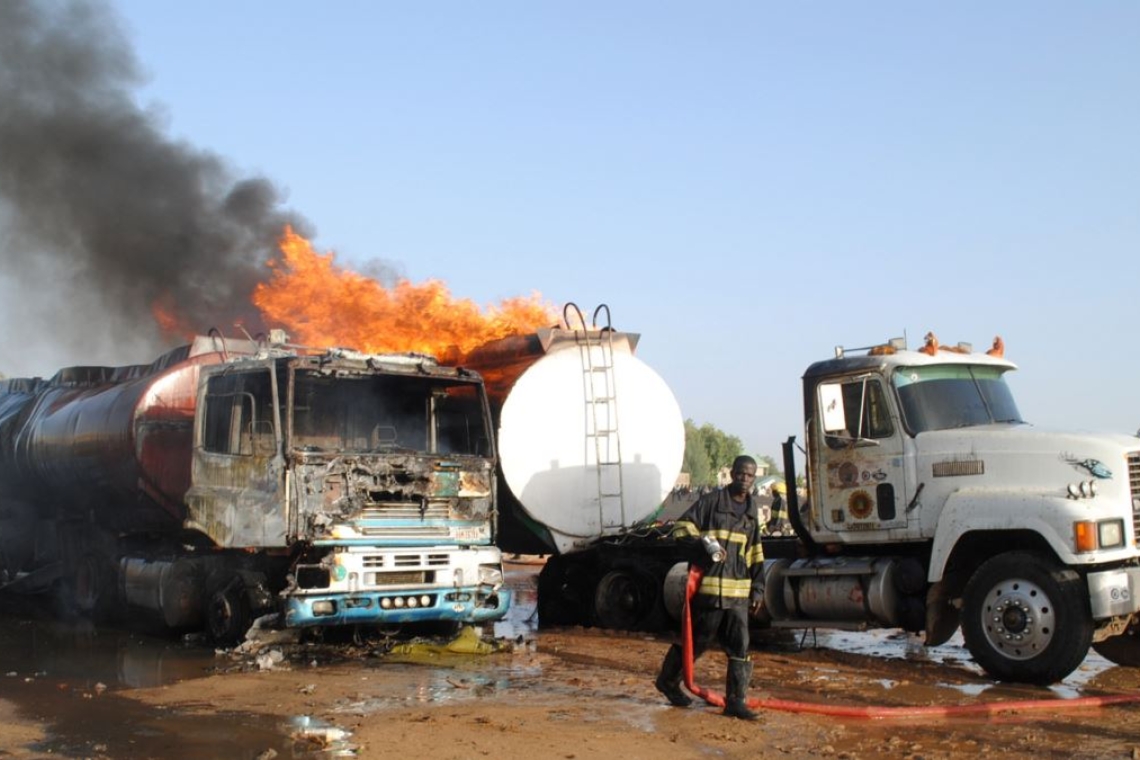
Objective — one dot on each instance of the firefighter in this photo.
(729, 590)
(778, 518)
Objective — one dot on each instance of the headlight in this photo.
(1088, 536)
(491, 575)
(1111, 534)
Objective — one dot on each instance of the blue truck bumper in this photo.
(462, 605)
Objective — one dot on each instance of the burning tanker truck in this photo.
(234, 478)
(933, 506)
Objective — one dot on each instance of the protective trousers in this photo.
(729, 625)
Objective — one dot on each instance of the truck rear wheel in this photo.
(625, 600)
(1026, 619)
(1123, 649)
(565, 592)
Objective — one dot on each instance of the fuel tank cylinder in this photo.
(113, 441)
(590, 437)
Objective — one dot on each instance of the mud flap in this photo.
(942, 617)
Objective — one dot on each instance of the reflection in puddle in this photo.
(894, 645)
(85, 656)
(315, 735)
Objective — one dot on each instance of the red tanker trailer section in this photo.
(234, 478)
(115, 441)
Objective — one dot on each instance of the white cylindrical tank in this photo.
(591, 438)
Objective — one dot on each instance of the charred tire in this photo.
(87, 589)
(1123, 649)
(228, 611)
(625, 600)
(85, 583)
(1025, 618)
(565, 593)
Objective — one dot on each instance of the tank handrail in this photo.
(609, 320)
(566, 316)
(216, 334)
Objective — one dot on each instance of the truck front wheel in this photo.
(228, 611)
(1026, 619)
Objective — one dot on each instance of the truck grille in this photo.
(404, 520)
(1134, 486)
(403, 510)
(406, 560)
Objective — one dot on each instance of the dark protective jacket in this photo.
(739, 579)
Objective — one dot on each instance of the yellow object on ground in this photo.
(467, 641)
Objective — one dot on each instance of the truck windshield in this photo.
(388, 413)
(953, 396)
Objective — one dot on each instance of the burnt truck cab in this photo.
(933, 505)
(369, 480)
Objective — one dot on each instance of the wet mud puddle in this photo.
(72, 677)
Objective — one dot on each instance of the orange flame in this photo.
(169, 323)
(321, 304)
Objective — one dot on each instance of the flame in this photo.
(169, 323)
(321, 304)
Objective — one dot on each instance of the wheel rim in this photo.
(1017, 619)
(221, 615)
(620, 601)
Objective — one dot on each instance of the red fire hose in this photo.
(928, 711)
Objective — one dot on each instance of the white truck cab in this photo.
(933, 504)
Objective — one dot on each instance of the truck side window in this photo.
(866, 413)
(239, 415)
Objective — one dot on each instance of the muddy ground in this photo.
(572, 693)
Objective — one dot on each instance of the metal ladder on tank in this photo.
(599, 390)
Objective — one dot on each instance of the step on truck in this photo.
(231, 479)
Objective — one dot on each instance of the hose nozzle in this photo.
(715, 550)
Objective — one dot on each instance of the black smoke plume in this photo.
(102, 215)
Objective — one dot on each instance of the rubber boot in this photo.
(669, 680)
(739, 675)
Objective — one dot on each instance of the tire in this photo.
(87, 589)
(228, 612)
(1026, 619)
(625, 600)
(1123, 649)
(87, 584)
(565, 593)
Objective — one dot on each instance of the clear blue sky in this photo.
(746, 184)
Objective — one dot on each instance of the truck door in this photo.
(858, 446)
(237, 482)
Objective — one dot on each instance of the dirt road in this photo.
(575, 693)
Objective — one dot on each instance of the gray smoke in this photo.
(101, 214)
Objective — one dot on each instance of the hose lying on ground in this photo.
(875, 711)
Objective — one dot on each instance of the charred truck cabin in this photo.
(232, 478)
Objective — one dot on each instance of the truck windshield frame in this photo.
(387, 413)
(951, 396)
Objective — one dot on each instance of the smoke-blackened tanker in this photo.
(231, 478)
